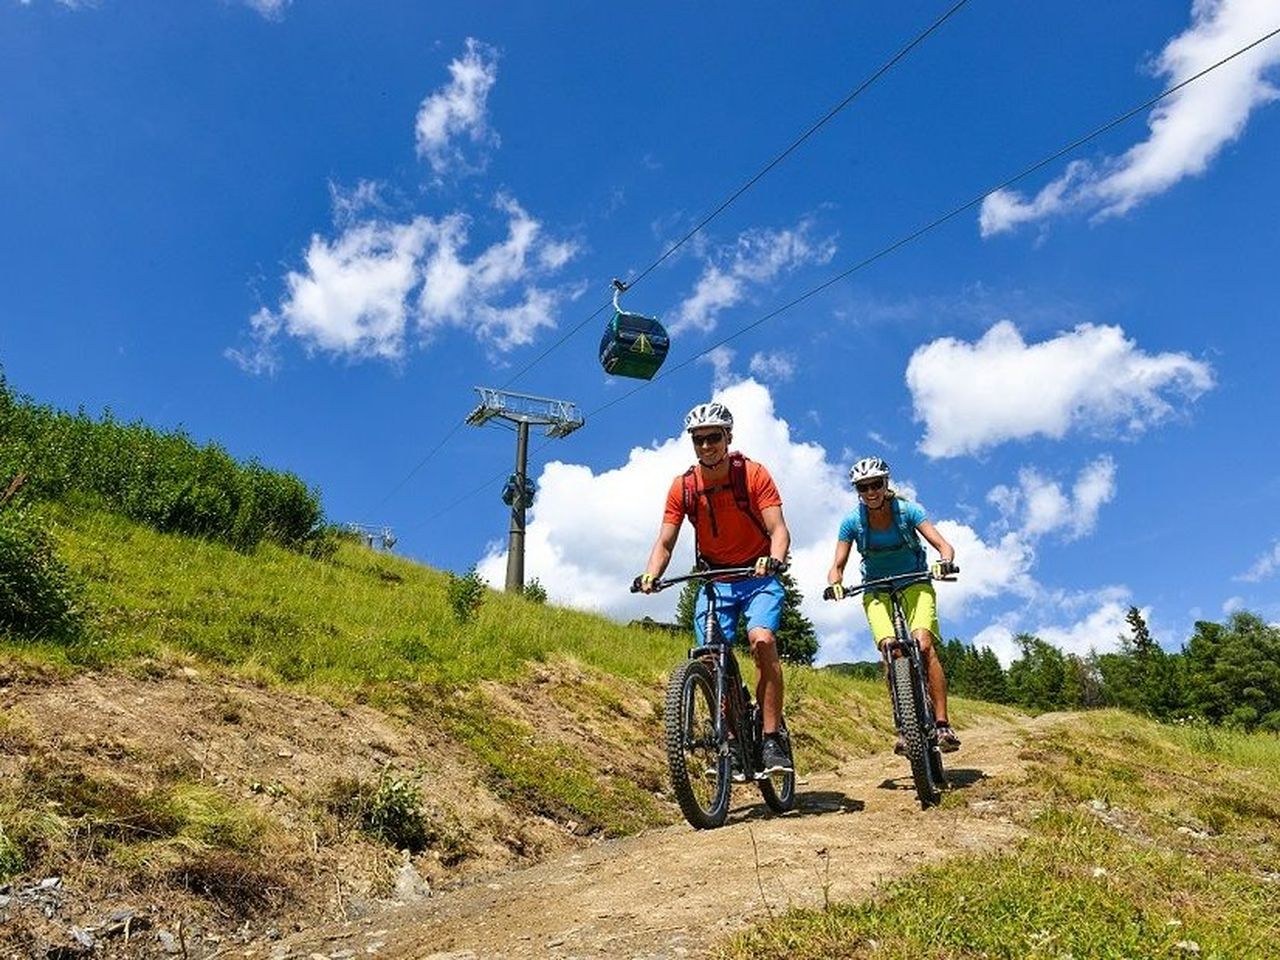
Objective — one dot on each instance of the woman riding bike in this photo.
(887, 530)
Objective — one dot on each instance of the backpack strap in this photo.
(689, 495)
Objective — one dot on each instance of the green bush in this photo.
(38, 598)
(466, 594)
(389, 810)
(163, 479)
(535, 591)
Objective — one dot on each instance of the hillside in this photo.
(277, 753)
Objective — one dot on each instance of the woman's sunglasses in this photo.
(868, 485)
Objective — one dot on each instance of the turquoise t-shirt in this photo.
(887, 555)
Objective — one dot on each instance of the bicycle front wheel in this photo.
(911, 714)
(700, 774)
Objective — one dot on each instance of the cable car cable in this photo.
(728, 201)
(901, 242)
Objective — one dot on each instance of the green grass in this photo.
(1141, 844)
(362, 619)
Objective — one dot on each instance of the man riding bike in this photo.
(887, 529)
(736, 514)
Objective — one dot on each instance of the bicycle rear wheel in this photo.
(911, 713)
(699, 767)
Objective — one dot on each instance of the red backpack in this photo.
(737, 483)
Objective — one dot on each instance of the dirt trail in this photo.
(675, 892)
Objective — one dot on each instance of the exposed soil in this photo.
(526, 885)
(674, 892)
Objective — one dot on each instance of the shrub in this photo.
(38, 598)
(389, 810)
(535, 591)
(163, 479)
(466, 593)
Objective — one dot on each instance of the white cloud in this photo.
(1099, 630)
(69, 4)
(756, 258)
(1185, 131)
(773, 367)
(356, 295)
(1232, 605)
(1039, 506)
(350, 204)
(1264, 566)
(458, 109)
(975, 396)
(564, 547)
(720, 359)
(271, 9)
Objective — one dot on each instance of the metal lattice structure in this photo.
(561, 418)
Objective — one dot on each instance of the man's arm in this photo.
(779, 536)
(659, 556)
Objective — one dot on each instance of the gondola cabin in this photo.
(633, 346)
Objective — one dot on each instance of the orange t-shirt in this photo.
(725, 535)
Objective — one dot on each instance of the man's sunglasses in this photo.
(868, 485)
(706, 439)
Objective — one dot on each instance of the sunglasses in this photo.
(706, 439)
(868, 485)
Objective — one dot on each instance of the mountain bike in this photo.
(714, 733)
(908, 691)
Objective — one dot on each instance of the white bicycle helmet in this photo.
(868, 468)
(708, 415)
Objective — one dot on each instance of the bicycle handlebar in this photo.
(735, 572)
(897, 581)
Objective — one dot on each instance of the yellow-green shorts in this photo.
(919, 602)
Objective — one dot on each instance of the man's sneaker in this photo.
(948, 742)
(774, 755)
(900, 746)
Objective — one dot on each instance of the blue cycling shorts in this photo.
(759, 599)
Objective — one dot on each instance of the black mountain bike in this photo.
(908, 691)
(714, 733)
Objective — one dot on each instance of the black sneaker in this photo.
(774, 755)
(736, 773)
(948, 742)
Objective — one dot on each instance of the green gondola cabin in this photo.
(633, 346)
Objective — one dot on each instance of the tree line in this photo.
(1227, 673)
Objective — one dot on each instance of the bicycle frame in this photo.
(710, 676)
(913, 708)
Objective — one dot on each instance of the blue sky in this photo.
(307, 230)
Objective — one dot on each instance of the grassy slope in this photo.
(549, 719)
(1145, 841)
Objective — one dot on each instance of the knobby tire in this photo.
(912, 716)
(699, 768)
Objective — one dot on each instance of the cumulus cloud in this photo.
(972, 397)
(757, 257)
(1186, 131)
(1098, 630)
(773, 367)
(457, 110)
(1038, 505)
(271, 9)
(565, 550)
(1264, 566)
(365, 293)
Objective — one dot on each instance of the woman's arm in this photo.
(936, 540)
(836, 573)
